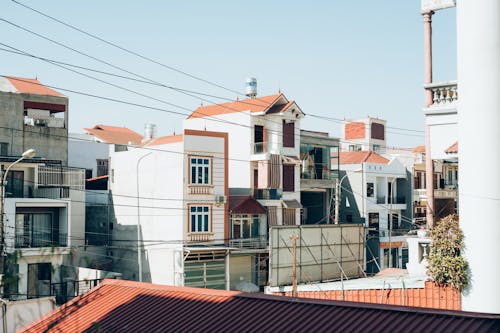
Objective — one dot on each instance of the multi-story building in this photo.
(264, 179)
(364, 134)
(318, 176)
(375, 191)
(43, 224)
(33, 116)
(170, 204)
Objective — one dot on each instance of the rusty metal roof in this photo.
(126, 306)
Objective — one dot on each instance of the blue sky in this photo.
(340, 59)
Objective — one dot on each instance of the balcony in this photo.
(444, 95)
(249, 243)
(268, 194)
(200, 189)
(260, 148)
(41, 239)
(381, 199)
(58, 176)
(324, 179)
(200, 236)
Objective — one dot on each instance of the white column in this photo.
(478, 29)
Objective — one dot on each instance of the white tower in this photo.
(478, 29)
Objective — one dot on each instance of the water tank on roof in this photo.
(149, 131)
(251, 87)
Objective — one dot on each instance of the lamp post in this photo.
(139, 253)
(27, 154)
(338, 193)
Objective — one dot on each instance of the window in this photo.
(39, 278)
(102, 167)
(348, 218)
(288, 178)
(88, 173)
(38, 227)
(369, 189)
(199, 219)
(355, 147)
(288, 134)
(15, 184)
(200, 171)
(259, 139)
(376, 148)
(245, 226)
(4, 149)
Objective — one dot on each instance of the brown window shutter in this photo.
(288, 177)
(288, 134)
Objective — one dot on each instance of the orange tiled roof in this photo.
(354, 157)
(127, 306)
(30, 86)
(165, 140)
(116, 135)
(419, 149)
(250, 104)
(453, 149)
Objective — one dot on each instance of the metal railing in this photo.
(41, 239)
(322, 174)
(65, 291)
(259, 147)
(249, 243)
(59, 176)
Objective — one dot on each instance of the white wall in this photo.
(160, 207)
(239, 127)
(83, 152)
(443, 132)
(21, 313)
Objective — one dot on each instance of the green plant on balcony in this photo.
(446, 266)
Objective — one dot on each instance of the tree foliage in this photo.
(446, 265)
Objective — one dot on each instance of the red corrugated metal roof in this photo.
(354, 157)
(115, 135)
(126, 306)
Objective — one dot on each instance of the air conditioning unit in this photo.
(220, 199)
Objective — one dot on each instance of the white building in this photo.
(170, 199)
(264, 150)
(44, 225)
(374, 191)
(364, 134)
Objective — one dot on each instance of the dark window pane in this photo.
(206, 223)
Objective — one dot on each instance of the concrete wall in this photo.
(21, 313)
(49, 142)
(83, 152)
(239, 127)
(443, 131)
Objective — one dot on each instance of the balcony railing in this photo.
(444, 93)
(58, 176)
(322, 174)
(64, 291)
(268, 194)
(259, 147)
(40, 239)
(400, 199)
(249, 243)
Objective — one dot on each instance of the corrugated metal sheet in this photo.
(125, 306)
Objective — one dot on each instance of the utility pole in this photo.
(337, 201)
(294, 264)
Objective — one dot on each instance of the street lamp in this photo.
(338, 193)
(27, 154)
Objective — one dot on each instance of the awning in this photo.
(291, 204)
(245, 205)
(290, 159)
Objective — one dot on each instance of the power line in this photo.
(127, 50)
